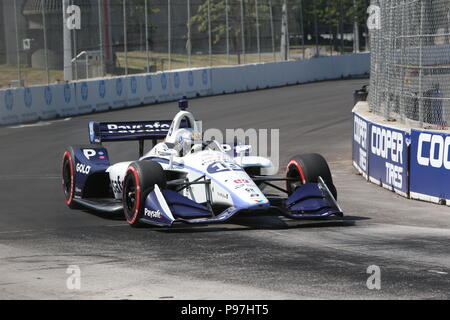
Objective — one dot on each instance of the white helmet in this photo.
(184, 139)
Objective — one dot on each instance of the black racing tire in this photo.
(68, 174)
(68, 177)
(308, 168)
(140, 180)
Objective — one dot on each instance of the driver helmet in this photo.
(184, 141)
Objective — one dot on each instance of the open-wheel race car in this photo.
(184, 178)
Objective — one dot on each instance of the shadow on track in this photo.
(243, 222)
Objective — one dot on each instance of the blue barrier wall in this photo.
(381, 153)
(430, 166)
(18, 105)
(360, 144)
(414, 163)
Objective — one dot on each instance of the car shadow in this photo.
(262, 223)
(243, 222)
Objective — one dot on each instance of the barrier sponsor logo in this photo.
(164, 81)
(360, 143)
(28, 97)
(176, 80)
(205, 77)
(9, 100)
(84, 91)
(133, 85)
(389, 156)
(48, 96)
(148, 83)
(67, 93)
(191, 78)
(433, 150)
(102, 88)
(430, 163)
(119, 86)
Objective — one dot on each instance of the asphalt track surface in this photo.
(247, 258)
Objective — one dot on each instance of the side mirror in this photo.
(243, 148)
(226, 147)
(168, 152)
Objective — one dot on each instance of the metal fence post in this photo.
(188, 43)
(100, 30)
(169, 35)
(355, 28)
(402, 59)
(227, 27)
(387, 87)
(125, 36)
(421, 36)
(44, 26)
(302, 29)
(272, 31)
(147, 52)
(19, 71)
(242, 30)
(209, 33)
(316, 28)
(258, 44)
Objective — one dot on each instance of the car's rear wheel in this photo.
(68, 178)
(140, 179)
(307, 168)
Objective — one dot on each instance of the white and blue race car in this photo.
(186, 179)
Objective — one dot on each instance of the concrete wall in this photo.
(29, 104)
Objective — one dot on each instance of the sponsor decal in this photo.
(119, 86)
(152, 213)
(28, 98)
(148, 83)
(176, 80)
(205, 77)
(89, 153)
(430, 164)
(67, 93)
(84, 91)
(164, 81)
(82, 168)
(137, 128)
(48, 96)
(239, 181)
(433, 150)
(102, 88)
(9, 100)
(191, 78)
(223, 195)
(387, 145)
(360, 128)
(117, 185)
(133, 85)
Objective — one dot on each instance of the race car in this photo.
(184, 178)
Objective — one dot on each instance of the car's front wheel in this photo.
(140, 179)
(307, 168)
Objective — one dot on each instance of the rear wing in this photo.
(128, 131)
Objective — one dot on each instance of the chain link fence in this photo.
(410, 61)
(51, 41)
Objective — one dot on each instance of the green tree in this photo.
(135, 15)
(218, 18)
